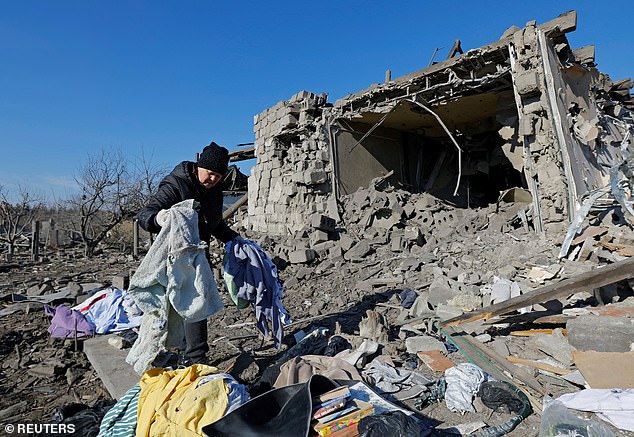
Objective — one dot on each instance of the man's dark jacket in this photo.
(182, 184)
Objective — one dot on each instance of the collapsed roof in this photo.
(526, 111)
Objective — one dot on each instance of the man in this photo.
(199, 181)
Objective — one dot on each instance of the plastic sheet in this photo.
(463, 382)
(392, 423)
(558, 421)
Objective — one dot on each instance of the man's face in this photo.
(208, 178)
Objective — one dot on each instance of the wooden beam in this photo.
(233, 208)
(242, 155)
(541, 366)
(587, 281)
(491, 361)
(494, 364)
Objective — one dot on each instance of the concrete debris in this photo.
(587, 333)
(470, 201)
(424, 343)
(555, 345)
(373, 327)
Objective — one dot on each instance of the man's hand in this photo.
(162, 217)
(238, 240)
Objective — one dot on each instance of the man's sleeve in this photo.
(166, 196)
(223, 232)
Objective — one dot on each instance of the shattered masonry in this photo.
(526, 111)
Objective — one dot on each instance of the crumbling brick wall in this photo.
(292, 176)
(546, 124)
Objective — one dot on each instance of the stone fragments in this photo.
(601, 333)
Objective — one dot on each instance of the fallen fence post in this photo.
(135, 239)
(35, 241)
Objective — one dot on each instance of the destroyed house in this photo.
(527, 113)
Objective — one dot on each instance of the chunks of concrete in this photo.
(302, 256)
(414, 235)
(555, 345)
(318, 236)
(121, 281)
(440, 291)
(315, 177)
(423, 343)
(601, 333)
(323, 223)
(345, 242)
(358, 251)
(527, 83)
(40, 289)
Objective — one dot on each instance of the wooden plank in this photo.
(492, 362)
(589, 232)
(612, 310)
(235, 207)
(535, 317)
(435, 360)
(554, 319)
(586, 281)
(620, 249)
(529, 332)
(242, 154)
(538, 365)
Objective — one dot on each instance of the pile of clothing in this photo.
(174, 403)
(107, 311)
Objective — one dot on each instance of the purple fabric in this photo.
(65, 321)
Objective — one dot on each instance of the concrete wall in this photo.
(359, 163)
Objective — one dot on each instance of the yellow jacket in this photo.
(171, 402)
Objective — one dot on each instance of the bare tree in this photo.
(16, 218)
(109, 195)
(148, 174)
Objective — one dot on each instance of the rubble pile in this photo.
(470, 224)
(38, 373)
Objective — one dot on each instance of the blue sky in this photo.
(168, 77)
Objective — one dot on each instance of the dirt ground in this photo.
(39, 375)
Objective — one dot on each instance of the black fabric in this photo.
(500, 397)
(336, 344)
(283, 412)
(196, 342)
(435, 393)
(182, 184)
(85, 419)
(214, 158)
(391, 423)
(129, 336)
(408, 296)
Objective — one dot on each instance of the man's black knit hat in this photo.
(214, 158)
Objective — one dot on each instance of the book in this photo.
(349, 431)
(338, 392)
(337, 413)
(362, 409)
(331, 407)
